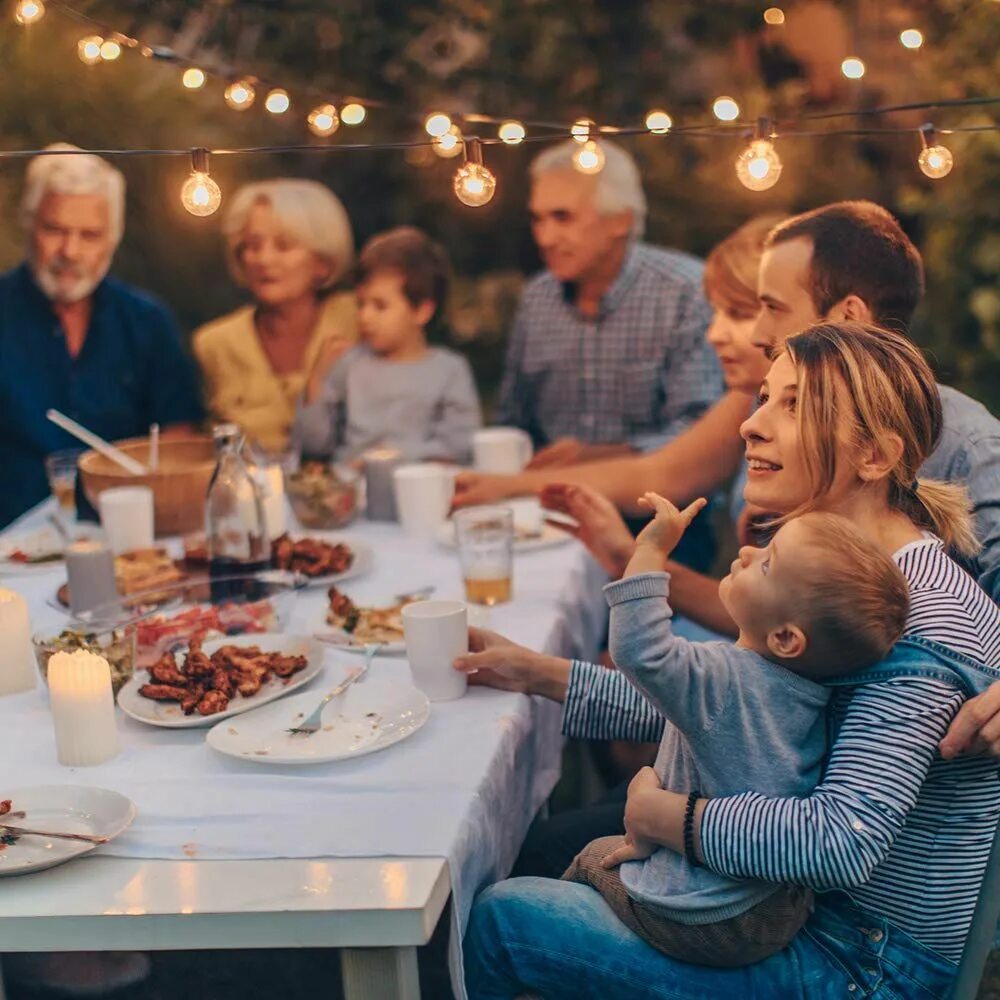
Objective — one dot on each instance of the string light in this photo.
(474, 183)
(193, 78)
(774, 15)
(277, 101)
(725, 109)
(449, 144)
(911, 38)
(324, 120)
(353, 113)
(240, 95)
(758, 167)
(437, 124)
(934, 160)
(511, 132)
(200, 195)
(110, 50)
(853, 68)
(589, 158)
(29, 11)
(659, 122)
(581, 130)
(89, 49)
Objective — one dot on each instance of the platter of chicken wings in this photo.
(210, 681)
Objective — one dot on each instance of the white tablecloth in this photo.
(465, 787)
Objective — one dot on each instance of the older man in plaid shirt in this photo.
(608, 352)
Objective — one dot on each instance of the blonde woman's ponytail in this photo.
(947, 508)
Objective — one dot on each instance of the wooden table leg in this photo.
(379, 973)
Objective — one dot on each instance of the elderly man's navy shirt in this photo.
(132, 371)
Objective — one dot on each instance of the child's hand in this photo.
(634, 849)
(668, 527)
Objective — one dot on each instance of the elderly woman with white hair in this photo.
(288, 243)
(74, 338)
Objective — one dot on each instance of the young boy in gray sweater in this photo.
(393, 390)
(820, 601)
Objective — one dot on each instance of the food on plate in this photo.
(322, 497)
(145, 569)
(117, 646)
(160, 634)
(365, 625)
(207, 684)
(310, 556)
(29, 548)
(6, 837)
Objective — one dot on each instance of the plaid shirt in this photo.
(637, 373)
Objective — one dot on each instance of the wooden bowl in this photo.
(179, 484)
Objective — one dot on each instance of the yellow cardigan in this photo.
(241, 386)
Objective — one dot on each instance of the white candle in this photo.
(380, 500)
(272, 480)
(83, 708)
(17, 661)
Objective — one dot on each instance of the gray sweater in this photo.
(736, 722)
(427, 409)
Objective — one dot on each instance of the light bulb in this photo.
(240, 95)
(936, 161)
(353, 114)
(277, 101)
(725, 109)
(658, 122)
(201, 195)
(589, 158)
(774, 15)
(193, 78)
(511, 132)
(29, 11)
(853, 68)
(437, 124)
(110, 50)
(474, 184)
(911, 38)
(758, 167)
(449, 144)
(581, 129)
(89, 49)
(323, 120)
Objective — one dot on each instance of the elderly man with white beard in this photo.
(75, 339)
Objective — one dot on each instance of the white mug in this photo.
(424, 492)
(127, 518)
(501, 450)
(436, 634)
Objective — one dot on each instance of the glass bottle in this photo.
(236, 533)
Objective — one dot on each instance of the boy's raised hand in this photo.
(668, 527)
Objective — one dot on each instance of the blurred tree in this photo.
(542, 59)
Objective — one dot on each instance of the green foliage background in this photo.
(542, 59)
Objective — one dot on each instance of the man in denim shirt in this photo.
(74, 339)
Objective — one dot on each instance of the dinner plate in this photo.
(43, 543)
(545, 539)
(340, 639)
(168, 713)
(62, 809)
(371, 715)
(364, 558)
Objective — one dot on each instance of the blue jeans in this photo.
(560, 939)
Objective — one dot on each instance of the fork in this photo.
(312, 725)
(420, 594)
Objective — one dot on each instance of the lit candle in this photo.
(379, 490)
(17, 661)
(91, 572)
(83, 708)
(272, 479)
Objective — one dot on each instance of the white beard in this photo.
(65, 284)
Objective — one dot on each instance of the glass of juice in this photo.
(60, 467)
(485, 537)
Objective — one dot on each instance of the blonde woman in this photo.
(288, 242)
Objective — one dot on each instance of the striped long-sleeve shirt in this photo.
(904, 832)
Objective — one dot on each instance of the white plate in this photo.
(37, 544)
(364, 558)
(65, 809)
(339, 639)
(548, 537)
(371, 715)
(169, 714)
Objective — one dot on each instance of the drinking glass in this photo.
(485, 538)
(60, 467)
